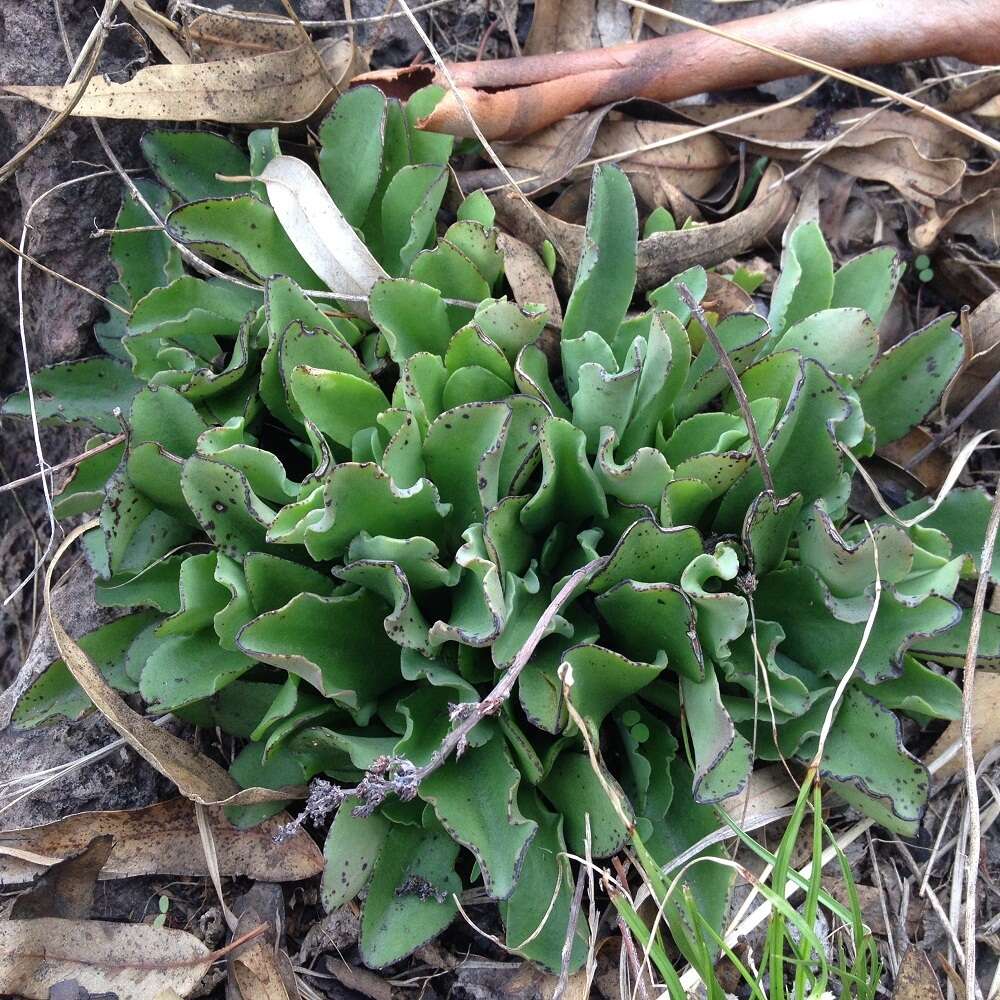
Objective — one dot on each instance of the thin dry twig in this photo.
(75, 460)
(567, 949)
(734, 381)
(971, 783)
(34, 262)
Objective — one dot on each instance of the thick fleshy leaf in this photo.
(806, 282)
(919, 691)
(907, 381)
(412, 318)
(226, 507)
(575, 790)
(83, 492)
(360, 497)
(601, 679)
(337, 644)
(950, 647)
(409, 209)
(723, 757)
(649, 619)
(352, 137)
(85, 391)
(962, 516)
(868, 282)
(475, 798)
(844, 341)
(536, 915)
(190, 308)
(57, 693)
(186, 668)
(686, 822)
(143, 260)
(849, 569)
(569, 490)
(884, 778)
(605, 278)
(409, 899)
(824, 633)
(243, 232)
(351, 847)
(187, 162)
(767, 528)
(741, 335)
(801, 450)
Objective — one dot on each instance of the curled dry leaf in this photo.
(664, 254)
(694, 166)
(769, 788)
(134, 961)
(971, 211)
(163, 839)
(981, 367)
(528, 277)
(325, 240)
(161, 30)
(916, 979)
(542, 89)
(725, 297)
(931, 471)
(919, 158)
(798, 129)
(259, 971)
(274, 87)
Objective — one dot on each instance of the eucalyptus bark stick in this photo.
(511, 98)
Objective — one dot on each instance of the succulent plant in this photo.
(338, 524)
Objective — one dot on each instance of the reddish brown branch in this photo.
(511, 98)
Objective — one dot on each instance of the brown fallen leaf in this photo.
(196, 776)
(984, 363)
(870, 899)
(528, 277)
(931, 470)
(798, 129)
(972, 215)
(211, 37)
(163, 839)
(664, 254)
(692, 166)
(916, 979)
(973, 95)
(259, 970)
(134, 961)
(274, 87)
(921, 159)
(67, 888)
(985, 727)
(769, 788)
(725, 297)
